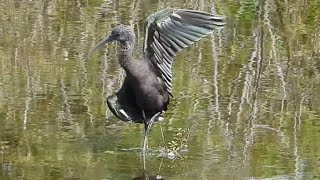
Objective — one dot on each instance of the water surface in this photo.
(246, 98)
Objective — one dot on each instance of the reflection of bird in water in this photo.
(147, 87)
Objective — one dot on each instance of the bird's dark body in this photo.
(147, 87)
(143, 88)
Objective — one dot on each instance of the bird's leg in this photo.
(145, 122)
(147, 128)
(145, 138)
(150, 123)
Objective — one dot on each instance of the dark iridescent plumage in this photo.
(147, 87)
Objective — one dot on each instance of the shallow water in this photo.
(246, 98)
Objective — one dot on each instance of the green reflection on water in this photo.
(247, 97)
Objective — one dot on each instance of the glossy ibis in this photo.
(147, 87)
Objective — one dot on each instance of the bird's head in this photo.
(122, 33)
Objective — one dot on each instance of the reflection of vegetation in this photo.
(255, 115)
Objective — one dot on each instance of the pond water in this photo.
(247, 98)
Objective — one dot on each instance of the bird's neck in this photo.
(125, 54)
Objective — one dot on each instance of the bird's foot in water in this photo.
(148, 125)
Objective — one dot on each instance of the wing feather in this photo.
(171, 30)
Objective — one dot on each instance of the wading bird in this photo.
(147, 87)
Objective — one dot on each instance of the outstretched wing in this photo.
(171, 30)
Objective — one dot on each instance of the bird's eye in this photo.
(115, 34)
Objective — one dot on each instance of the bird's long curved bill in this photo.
(101, 43)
